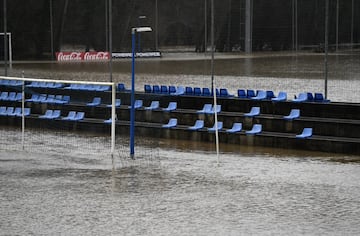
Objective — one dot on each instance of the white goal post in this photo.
(26, 81)
(9, 47)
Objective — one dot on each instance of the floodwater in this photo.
(68, 184)
(290, 72)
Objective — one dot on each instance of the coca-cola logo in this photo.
(94, 56)
(82, 56)
(68, 56)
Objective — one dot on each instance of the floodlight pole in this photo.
(132, 110)
(5, 39)
(109, 27)
(326, 45)
(51, 29)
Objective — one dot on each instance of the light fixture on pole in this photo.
(132, 110)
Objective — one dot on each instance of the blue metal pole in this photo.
(132, 111)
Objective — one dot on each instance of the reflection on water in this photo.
(67, 183)
(181, 193)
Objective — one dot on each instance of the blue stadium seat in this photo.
(237, 127)
(71, 116)
(121, 87)
(319, 97)
(256, 129)
(282, 96)
(156, 89)
(199, 124)
(164, 89)
(270, 94)
(9, 111)
(58, 99)
(18, 97)
(27, 111)
(189, 91)
(42, 84)
(72, 86)
(294, 113)
(250, 93)
(2, 111)
(261, 95)
(310, 97)
(79, 116)
(16, 112)
(56, 114)
(171, 107)
(49, 99)
(303, 97)
(307, 132)
(224, 93)
(219, 126)
(47, 115)
(242, 93)
(4, 96)
(65, 99)
(117, 103)
(57, 85)
(34, 98)
(180, 90)
(206, 109)
(153, 106)
(255, 111)
(206, 92)
(11, 96)
(42, 98)
(14, 83)
(33, 84)
(172, 123)
(95, 102)
(197, 91)
(137, 104)
(212, 111)
(172, 89)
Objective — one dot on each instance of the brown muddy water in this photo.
(67, 184)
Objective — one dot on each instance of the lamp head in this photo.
(141, 29)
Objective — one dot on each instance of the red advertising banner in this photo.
(82, 56)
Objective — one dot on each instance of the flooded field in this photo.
(293, 73)
(68, 184)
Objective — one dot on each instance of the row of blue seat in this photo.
(154, 106)
(254, 111)
(45, 98)
(88, 87)
(180, 90)
(41, 84)
(49, 114)
(309, 97)
(9, 82)
(237, 127)
(14, 111)
(10, 96)
(97, 101)
(241, 93)
(55, 114)
(159, 89)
